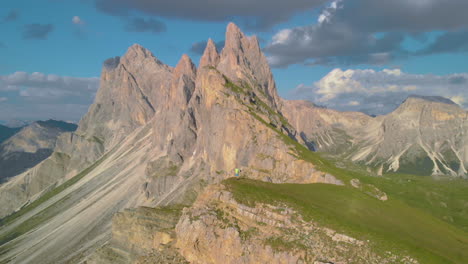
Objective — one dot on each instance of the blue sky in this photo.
(65, 42)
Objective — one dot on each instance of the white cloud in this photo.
(42, 85)
(328, 12)
(77, 20)
(281, 37)
(396, 72)
(378, 92)
(3, 99)
(40, 96)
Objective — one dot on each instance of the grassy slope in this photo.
(390, 225)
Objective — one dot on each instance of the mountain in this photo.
(147, 177)
(29, 146)
(15, 123)
(425, 136)
(7, 132)
(156, 135)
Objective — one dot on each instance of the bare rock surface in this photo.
(141, 235)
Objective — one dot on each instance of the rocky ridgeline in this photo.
(423, 136)
(218, 229)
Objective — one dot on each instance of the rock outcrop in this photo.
(142, 235)
(218, 229)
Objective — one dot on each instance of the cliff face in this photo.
(141, 235)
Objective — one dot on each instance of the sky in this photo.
(350, 55)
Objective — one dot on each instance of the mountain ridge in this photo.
(427, 136)
(30, 145)
(157, 136)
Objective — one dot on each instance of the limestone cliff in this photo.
(141, 235)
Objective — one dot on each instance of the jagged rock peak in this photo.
(242, 60)
(137, 53)
(254, 43)
(138, 50)
(236, 40)
(185, 66)
(233, 36)
(210, 55)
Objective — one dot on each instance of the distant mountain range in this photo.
(25, 147)
(424, 136)
(146, 177)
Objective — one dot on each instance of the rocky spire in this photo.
(234, 37)
(183, 83)
(210, 56)
(242, 59)
(185, 66)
